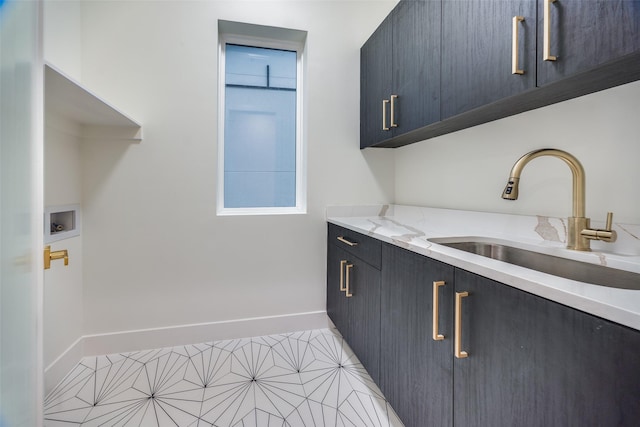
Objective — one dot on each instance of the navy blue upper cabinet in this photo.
(375, 83)
(585, 34)
(453, 64)
(569, 37)
(400, 73)
(478, 56)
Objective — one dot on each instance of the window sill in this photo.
(261, 211)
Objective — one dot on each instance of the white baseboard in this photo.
(125, 341)
(60, 367)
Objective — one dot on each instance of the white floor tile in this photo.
(309, 378)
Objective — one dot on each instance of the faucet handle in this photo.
(606, 235)
(607, 227)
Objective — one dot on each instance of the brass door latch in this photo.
(49, 256)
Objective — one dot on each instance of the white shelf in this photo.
(96, 117)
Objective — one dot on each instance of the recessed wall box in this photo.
(61, 222)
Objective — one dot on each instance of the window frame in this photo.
(301, 166)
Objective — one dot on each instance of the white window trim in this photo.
(301, 158)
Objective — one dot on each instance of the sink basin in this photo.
(557, 266)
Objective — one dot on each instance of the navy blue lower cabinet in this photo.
(353, 294)
(534, 362)
(530, 362)
(416, 371)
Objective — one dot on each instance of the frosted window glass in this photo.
(246, 65)
(259, 128)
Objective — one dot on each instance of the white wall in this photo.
(155, 252)
(62, 35)
(63, 290)
(468, 169)
(63, 302)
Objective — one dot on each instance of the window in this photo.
(260, 144)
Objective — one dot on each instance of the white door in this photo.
(21, 227)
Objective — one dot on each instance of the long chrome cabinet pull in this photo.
(460, 354)
(347, 291)
(393, 111)
(437, 336)
(384, 114)
(342, 264)
(546, 48)
(514, 52)
(347, 242)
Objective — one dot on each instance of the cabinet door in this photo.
(533, 362)
(375, 84)
(477, 52)
(364, 315)
(416, 64)
(416, 371)
(585, 34)
(337, 308)
(357, 317)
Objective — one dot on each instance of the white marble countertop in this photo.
(410, 227)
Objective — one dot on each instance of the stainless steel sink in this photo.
(557, 266)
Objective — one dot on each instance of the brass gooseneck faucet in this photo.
(579, 232)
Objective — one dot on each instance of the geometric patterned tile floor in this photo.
(302, 379)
